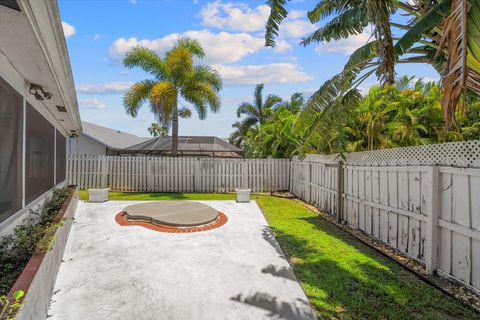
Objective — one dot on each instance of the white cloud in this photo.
(134, 2)
(345, 46)
(426, 79)
(91, 103)
(234, 16)
(240, 17)
(295, 28)
(104, 88)
(222, 47)
(68, 29)
(269, 73)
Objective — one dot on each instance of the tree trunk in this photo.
(175, 133)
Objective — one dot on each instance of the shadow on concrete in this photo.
(299, 310)
(282, 272)
(268, 236)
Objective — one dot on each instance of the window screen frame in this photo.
(12, 182)
(39, 154)
(60, 157)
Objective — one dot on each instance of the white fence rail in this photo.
(136, 173)
(404, 198)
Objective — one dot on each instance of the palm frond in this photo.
(271, 101)
(163, 99)
(326, 8)
(257, 96)
(347, 23)
(278, 13)
(422, 27)
(136, 96)
(146, 59)
(248, 109)
(454, 40)
(202, 73)
(193, 45)
(179, 63)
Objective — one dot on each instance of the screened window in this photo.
(39, 166)
(61, 157)
(11, 106)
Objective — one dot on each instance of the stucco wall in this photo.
(84, 145)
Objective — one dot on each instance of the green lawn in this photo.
(343, 278)
(163, 196)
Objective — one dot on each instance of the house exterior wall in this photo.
(85, 145)
(15, 81)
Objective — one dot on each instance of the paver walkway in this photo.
(234, 272)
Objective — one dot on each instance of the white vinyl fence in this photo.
(423, 201)
(139, 173)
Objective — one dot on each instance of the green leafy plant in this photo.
(8, 309)
(27, 238)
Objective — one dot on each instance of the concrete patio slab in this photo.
(234, 272)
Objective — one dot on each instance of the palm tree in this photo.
(345, 18)
(238, 136)
(296, 103)
(445, 34)
(174, 77)
(259, 111)
(156, 130)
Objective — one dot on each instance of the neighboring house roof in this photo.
(111, 138)
(187, 145)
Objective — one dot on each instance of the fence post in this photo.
(150, 173)
(104, 172)
(244, 174)
(197, 177)
(306, 181)
(431, 236)
(340, 183)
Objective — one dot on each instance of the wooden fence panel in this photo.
(138, 173)
(430, 213)
(459, 222)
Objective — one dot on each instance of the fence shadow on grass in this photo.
(358, 283)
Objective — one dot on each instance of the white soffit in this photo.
(34, 44)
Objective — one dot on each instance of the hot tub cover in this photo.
(172, 213)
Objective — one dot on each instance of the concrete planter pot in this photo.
(38, 277)
(98, 195)
(243, 195)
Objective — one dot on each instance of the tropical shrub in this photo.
(16, 249)
(407, 113)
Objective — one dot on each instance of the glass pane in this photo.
(11, 105)
(61, 157)
(40, 139)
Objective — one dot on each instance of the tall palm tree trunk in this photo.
(175, 133)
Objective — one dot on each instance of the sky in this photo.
(99, 32)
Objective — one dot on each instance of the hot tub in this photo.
(172, 213)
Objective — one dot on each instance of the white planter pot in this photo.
(243, 195)
(98, 195)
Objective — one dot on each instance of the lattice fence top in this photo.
(457, 154)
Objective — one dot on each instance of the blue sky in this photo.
(100, 32)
